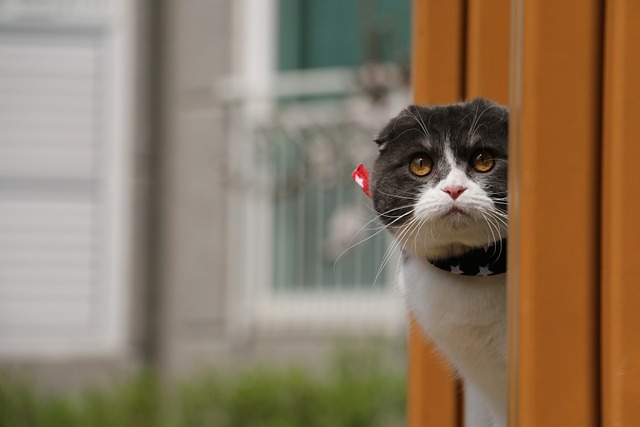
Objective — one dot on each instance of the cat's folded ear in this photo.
(488, 106)
(407, 118)
(381, 141)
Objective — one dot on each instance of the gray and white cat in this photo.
(440, 186)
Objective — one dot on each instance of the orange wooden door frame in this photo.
(437, 77)
(620, 212)
(487, 50)
(554, 213)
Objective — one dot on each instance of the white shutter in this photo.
(66, 10)
(55, 194)
(50, 105)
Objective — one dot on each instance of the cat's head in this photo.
(440, 180)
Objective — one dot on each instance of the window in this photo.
(337, 33)
(309, 126)
(320, 218)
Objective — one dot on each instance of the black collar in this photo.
(488, 261)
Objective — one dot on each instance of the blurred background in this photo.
(175, 198)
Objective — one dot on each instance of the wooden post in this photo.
(620, 214)
(554, 213)
(487, 50)
(437, 77)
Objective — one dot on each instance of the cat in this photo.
(439, 185)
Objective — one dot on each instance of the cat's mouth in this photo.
(455, 211)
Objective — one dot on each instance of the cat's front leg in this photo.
(476, 409)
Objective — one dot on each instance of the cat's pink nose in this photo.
(454, 191)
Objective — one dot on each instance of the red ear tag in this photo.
(361, 177)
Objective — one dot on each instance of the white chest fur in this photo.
(466, 317)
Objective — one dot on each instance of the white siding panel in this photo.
(48, 263)
(50, 101)
(52, 180)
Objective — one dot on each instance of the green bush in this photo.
(356, 392)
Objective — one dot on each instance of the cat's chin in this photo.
(456, 217)
(436, 253)
(455, 211)
(451, 236)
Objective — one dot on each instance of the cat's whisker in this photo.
(380, 215)
(408, 130)
(497, 248)
(494, 239)
(419, 232)
(499, 216)
(396, 243)
(351, 246)
(493, 236)
(410, 230)
(490, 236)
(387, 256)
(419, 121)
(397, 271)
(498, 212)
(395, 196)
(502, 221)
(385, 261)
(398, 194)
(497, 195)
(501, 248)
(502, 213)
(415, 231)
(473, 128)
(473, 122)
(383, 214)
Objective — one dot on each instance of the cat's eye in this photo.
(482, 161)
(421, 165)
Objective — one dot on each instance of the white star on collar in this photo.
(455, 269)
(484, 271)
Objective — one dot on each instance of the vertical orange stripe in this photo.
(621, 214)
(487, 50)
(437, 63)
(433, 392)
(437, 77)
(487, 65)
(554, 244)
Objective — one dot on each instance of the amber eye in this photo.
(421, 165)
(482, 161)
